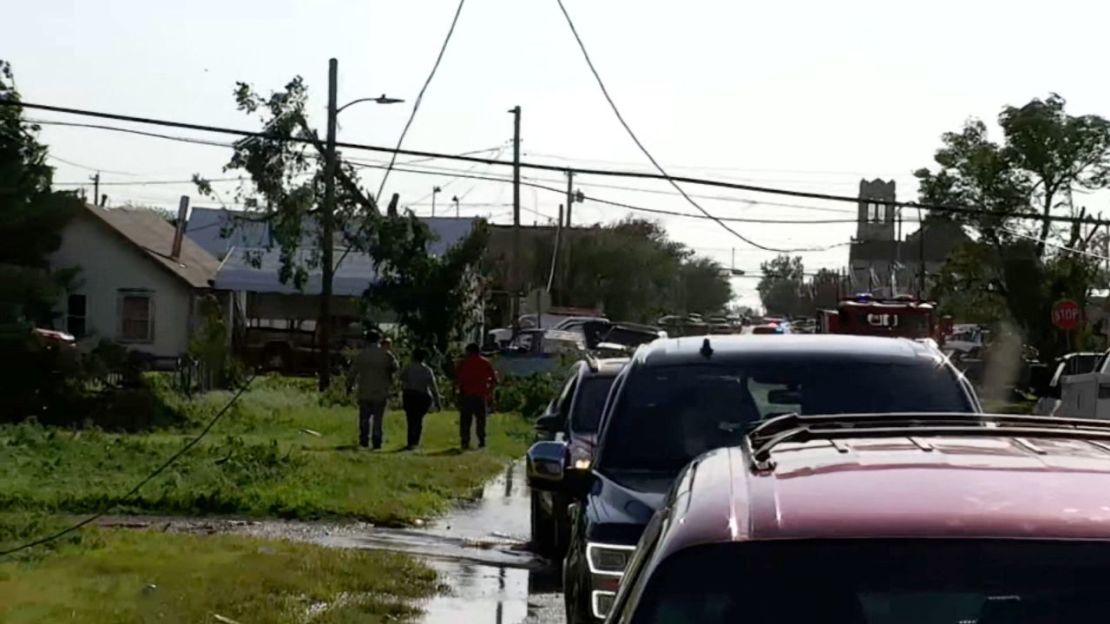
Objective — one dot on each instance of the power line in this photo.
(138, 486)
(524, 165)
(644, 149)
(88, 168)
(420, 97)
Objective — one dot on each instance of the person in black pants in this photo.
(418, 393)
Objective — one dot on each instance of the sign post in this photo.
(1066, 316)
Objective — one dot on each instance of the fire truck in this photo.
(901, 317)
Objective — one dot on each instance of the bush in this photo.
(527, 396)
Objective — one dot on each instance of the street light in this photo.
(456, 200)
(381, 99)
(435, 191)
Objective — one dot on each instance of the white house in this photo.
(139, 280)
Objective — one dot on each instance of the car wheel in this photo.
(541, 529)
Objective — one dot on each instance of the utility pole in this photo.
(516, 285)
(96, 188)
(456, 200)
(570, 194)
(921, 255)
(327, 215)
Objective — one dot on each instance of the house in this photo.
(881, 262)
(139, 280)
(250, 263)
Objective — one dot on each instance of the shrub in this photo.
(527, 396)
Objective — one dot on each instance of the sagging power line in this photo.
(945, 209)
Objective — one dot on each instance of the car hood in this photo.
(620, 505)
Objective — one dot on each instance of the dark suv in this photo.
(572, 417)
(902, 519)
(677, 399)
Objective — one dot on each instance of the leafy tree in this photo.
(1046, 159)
(32, 216)
(826, 289)
(284, 186)
(781, 287)
(705, 288)
(634, 271)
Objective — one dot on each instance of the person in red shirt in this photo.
(475, 380)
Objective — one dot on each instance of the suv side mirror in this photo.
(546, 465)
(549, 422)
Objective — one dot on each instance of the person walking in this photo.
(374, 369)
(475, 379)
(419, 392)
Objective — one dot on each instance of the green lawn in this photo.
(278, 452)
(122, 577)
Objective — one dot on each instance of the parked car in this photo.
(679, 398)
(572, 417)
(907, 519)
(539, 351)
(1084, 383)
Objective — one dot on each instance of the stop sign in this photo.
(1065, 314)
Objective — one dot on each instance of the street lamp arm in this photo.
(381, 99)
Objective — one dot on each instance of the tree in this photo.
(32, 216)
(634, 271)
(826, 289)
(705, 288)
(782, 286)
(1046, 159)
(285, 186)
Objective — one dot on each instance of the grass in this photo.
(278, 452)
(122, 577)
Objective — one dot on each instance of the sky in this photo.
(805, 95)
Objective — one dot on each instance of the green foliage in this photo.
(631, 269)
(210, 348)
(1015, 270)
(436, 299)
(433, 298)
(526, 396)
(32, 216)
(135, 577)
(782, 286)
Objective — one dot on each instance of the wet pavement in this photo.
(479, 550)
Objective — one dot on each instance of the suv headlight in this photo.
(609, 559)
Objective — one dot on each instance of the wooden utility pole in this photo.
(920, 255)
(327, 227)
(515, 287)
(96, 189)
(570, 194)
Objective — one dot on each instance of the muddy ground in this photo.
(480, 551)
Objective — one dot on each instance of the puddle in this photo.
(480, 594)
(478, 549)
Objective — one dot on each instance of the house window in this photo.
(136, 314)
(75, 315)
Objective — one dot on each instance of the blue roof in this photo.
(250, 262)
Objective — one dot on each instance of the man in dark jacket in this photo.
(475, 380)
(374, 368)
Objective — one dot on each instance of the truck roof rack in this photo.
(765, 436)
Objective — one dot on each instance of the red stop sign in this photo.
(1065, 314)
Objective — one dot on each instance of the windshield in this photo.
(881, 582)
(589, 403)
(666, 416)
